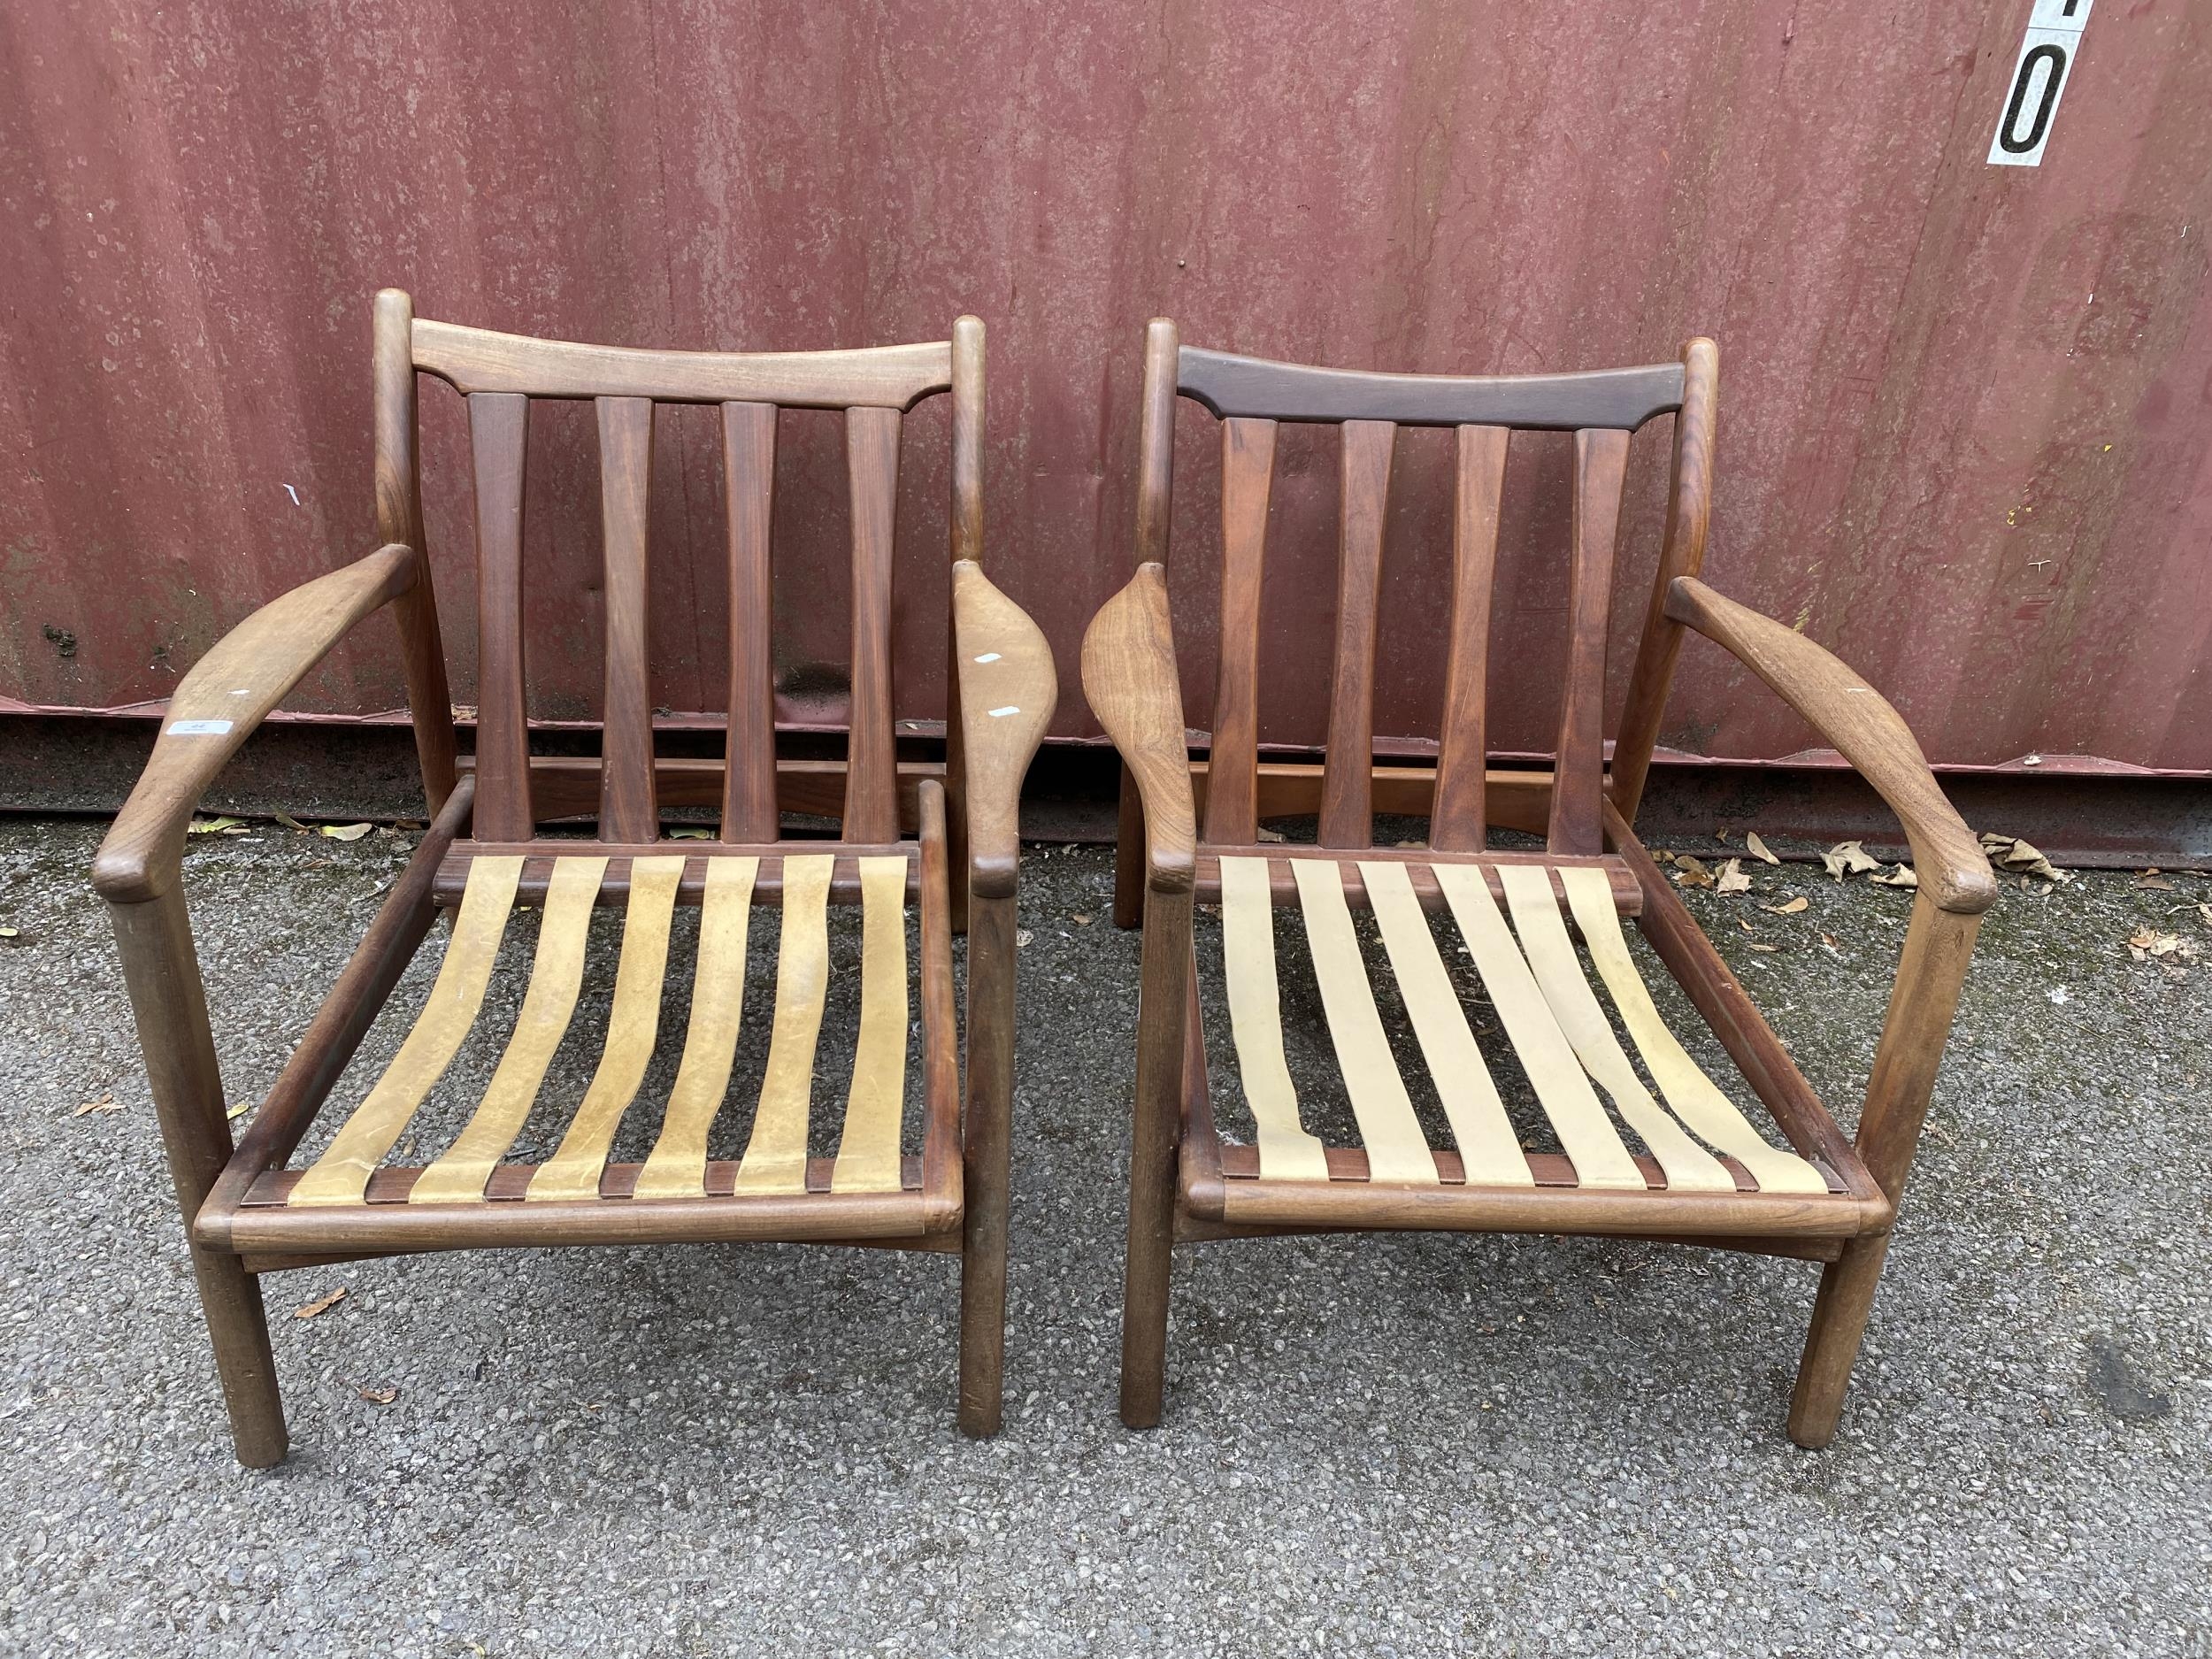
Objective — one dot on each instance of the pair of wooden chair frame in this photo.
(1832, 1200)
(247, 1213)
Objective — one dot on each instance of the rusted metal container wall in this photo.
(1965, 408)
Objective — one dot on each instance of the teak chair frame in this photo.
(1186, 1185)
(953, 1198)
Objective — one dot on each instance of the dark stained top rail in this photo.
(1620, 398)
(876, 377)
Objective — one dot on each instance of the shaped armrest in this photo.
(1008, 690)
(1129, 675)
(217, 705)
(1954, 871)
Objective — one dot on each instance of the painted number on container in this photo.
(2047, 53)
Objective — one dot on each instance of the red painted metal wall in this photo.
(1964, 409)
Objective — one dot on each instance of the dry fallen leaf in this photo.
(1829, 939)
(320, 1305)
(1790, 909)
(105, 1103)
(1721, 834)
(2012, 855)
(1661, 856)
(1757, 848)
(1901, 877)
(1768, 949)
(2204, 912)
(1691, 872)
(1079, 918)
(347, 832)
(2148, 944)
(1847, 858)
(10, 933)
(291, 823)
(1268, 834)
(238, 1108)
(1731, 879)
(1743, 924)
(2151, 879)
(378, 1396)
(690, 835)
(1022, 936)
(209, 826)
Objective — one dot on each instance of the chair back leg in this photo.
(985, 1126)
(1162, 1013)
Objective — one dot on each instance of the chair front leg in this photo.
(169, 1003)
(1162, 1014)
(986, 1127)
(1939, 946)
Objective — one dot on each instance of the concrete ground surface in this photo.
(1394, 1445)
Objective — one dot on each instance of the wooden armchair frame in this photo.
(1187, 1184)
(246, 1214)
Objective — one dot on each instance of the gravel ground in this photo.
(1404, 1444)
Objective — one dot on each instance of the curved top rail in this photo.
(1619, 398)
(877, 377)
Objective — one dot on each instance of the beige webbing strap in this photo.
(1396, 1149)
(868, 1151)
(1696, 1098)
(1287, 1152)
(557, 974)
(775, 1157)
(633, 1031)
(676, 1166)
(1586, 1133)
(1551, 956)
(1487, 1146)
(341, 1176)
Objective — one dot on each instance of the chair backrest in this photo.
(1250, 397)
(500, 373)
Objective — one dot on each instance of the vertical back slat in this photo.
(498, 426)
(1600, 462)
(872, 805)
(1346, 820)
(749, 469)
(1247, 471)
(1458, 820)
(628, 811)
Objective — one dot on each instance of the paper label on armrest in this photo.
(198, 728)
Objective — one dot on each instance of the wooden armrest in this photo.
(1954, 871)
(217, 705)
(1008, 690)
(1129, 675)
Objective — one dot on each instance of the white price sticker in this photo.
(2031, 103)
